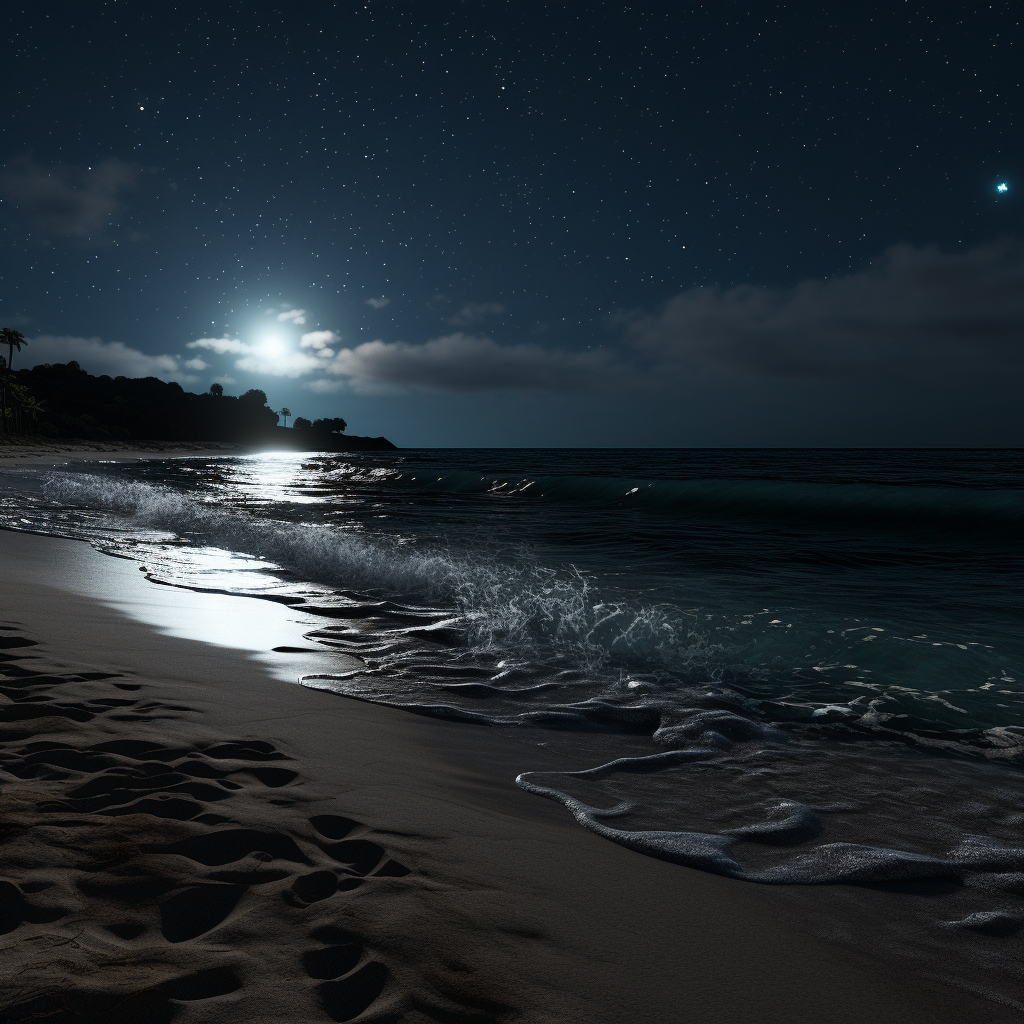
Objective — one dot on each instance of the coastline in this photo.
(35, 451)
(509, 910)
(22, 450)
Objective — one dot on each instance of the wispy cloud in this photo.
(289, 364)
(379, 303)
(462, 363)
(476, 313)
(916, 312)
(296, 316)
(323, 386)
(65, 202)
(221, 345)
(99, 357)
(196, 364)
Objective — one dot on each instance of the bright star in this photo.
(1002, 187)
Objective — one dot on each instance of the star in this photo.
(1002, 187)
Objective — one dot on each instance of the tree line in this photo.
(19, 408)
(63, 400)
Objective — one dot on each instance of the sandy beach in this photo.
(598, 599)
(35, 450)
(189, 836)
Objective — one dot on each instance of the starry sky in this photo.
(531, 224)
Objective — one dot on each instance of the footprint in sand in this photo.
(350, 985)
(165, 897)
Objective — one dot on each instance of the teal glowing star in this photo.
(1002, 187)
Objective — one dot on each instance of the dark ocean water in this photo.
(796, 666)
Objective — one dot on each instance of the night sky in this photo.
(465, 224)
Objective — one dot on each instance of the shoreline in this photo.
(44, 451)
(37, 450)
(510, 911)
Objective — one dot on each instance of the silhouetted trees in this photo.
(329, 426)
(19, 408)
(17, 404)
(13, 340)
(325, 426)
(62, 400)
(78, 404)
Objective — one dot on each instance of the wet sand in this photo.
(189, 836)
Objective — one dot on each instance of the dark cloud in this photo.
(916, 313)
(917, 319)
(63, 203)
(464, 363)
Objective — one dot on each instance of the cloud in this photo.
(296, 316)
(317, 339)
(475, 313)
(287, 364)
(221, 345)
(98, 357)
(65, 203)
(196, 364)
(260, 359)
(918, 316)
(464, 363)
(378, 303)
(324, 387)
(916, 312)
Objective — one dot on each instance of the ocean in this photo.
(792, 667)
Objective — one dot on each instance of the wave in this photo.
(846, 504)
(504, 602)
(540, 624)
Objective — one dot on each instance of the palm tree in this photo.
(286, 412)
(13, 340)
(31, 406)
(17, 402)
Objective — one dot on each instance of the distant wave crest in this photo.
(845, 504)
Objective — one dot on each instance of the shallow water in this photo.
(810, 661)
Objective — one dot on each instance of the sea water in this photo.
(790, 667)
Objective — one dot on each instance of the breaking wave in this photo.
(502, 602)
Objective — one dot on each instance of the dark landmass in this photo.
(297, 440)
(62, 400)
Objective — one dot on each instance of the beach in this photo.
(35, 450)
(189, 835)
(508, 911)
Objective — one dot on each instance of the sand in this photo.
(187, 835)
(35, 450)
